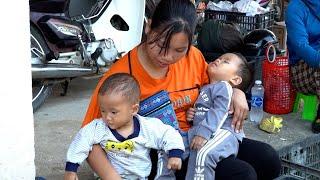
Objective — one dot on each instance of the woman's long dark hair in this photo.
(171, 17)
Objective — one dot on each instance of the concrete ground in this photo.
(58, 120)
(56, 123)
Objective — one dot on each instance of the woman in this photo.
(303, 26)
(167, 60)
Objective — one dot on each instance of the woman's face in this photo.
(177, 48)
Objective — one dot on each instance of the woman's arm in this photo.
(298, 35)
(239, 108)
(101, 165)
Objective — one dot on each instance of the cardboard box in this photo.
(279, 29)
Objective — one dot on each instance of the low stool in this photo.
(307, 105)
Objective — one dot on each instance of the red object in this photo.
(279, 94)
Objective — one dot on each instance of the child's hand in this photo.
(174, 163)
(69, 175)
(198, 142)
(190, 114)
(201, 6)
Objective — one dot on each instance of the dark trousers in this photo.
(255, 160)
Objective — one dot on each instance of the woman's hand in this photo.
(239, 108)
(198, 142)
(190, 114)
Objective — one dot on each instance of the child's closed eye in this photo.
(226, 61)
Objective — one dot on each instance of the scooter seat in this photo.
(47, 6)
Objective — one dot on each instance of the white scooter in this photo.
(79, 38)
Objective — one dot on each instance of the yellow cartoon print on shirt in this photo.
(126, 145)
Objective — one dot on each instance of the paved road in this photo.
(56, 123)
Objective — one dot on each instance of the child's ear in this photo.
(147, 26)
(135, 109)
(236, 80)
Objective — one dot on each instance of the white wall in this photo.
(16, 118)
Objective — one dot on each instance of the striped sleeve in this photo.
(82, 143)
(164, 137)
(220, 97)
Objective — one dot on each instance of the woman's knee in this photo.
(256, 151)
(248, 173)
(233, 168)
(267, 161)
(270, 155)
(271, 161)
(263, 157)
(96, 156)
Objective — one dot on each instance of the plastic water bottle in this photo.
(257, 92)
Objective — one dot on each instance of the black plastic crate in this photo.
(248, 23)
(302, 159)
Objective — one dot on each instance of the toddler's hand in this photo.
(201, 6)
(190, 114)
(68, 175)
(174, 163)
(198, 142)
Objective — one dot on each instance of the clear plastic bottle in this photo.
(257, 93)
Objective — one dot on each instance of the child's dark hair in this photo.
(171, 17)
(245, 72)
(122, 83)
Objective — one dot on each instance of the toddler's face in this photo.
(224, 68)
(116, 111)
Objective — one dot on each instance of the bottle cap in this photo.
(258, 82)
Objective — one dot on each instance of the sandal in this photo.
(316, 126)
(271, 125)
(40, 178)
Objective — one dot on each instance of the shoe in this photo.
(40, 178)
(271, 125)
(316, 126)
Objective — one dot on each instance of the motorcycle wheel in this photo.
(41, 90)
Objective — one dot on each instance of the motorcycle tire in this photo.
(41, 90)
